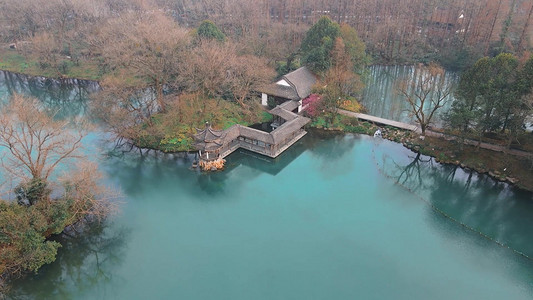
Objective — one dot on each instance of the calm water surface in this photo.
(381, 97)
(335, 217)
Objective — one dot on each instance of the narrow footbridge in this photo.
(379, 120)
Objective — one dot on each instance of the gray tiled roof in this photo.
(301, 82)
(208, 138)
(290, 105)
(293, 123)
(252, 133)
(288, 128)
(282, 91)
(285, 114)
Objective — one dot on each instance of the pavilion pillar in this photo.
(264, 99)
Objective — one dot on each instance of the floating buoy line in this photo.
(444, 214)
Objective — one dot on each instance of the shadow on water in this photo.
(140, 172)
(314, 143)
(494, 209)
(136, 171)
(412, 172)
(337, 147)
(264, 164)
(85, 262)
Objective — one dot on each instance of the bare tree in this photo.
(425, 93)
(214, 69)
(36, 144)
(206, 68)
(122, 106)
(44, 49)
(149, 48)
(91, 200)
(247, 74)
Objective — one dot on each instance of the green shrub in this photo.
(319, 122)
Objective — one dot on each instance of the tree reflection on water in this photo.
(84, 262)
(66, 97)
(491, 208)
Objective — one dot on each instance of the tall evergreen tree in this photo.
(355, 47)
(209, 31)
(491, 96)
(318, 43)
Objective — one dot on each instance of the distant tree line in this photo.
(454, 32)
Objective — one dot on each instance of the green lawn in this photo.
(14, 61)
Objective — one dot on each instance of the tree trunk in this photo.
(467, 27)
(492, 27)
(159, 95)
(526, 25)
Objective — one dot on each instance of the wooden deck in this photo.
(234, 144)
(290, 143)
(379, 120)
(232, 148)
(270, 144)
(243, 145)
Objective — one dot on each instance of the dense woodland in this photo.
(169, 48)
(453, 32)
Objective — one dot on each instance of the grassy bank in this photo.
(501, 166)
(172, 131)
(13, 61)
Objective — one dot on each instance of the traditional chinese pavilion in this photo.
(208, 142)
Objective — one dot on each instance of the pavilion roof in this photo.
(290, 105)
(255, 134)
(209, 139)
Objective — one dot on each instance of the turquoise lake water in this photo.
(334, 217)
